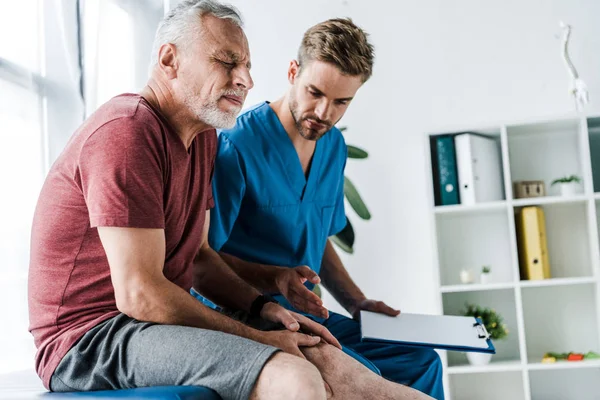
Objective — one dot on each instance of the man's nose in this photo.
(323, 109)
(243, 80)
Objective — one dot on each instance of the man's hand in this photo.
(374, 306)
(290, 283)
(294, 321)
(290, 342)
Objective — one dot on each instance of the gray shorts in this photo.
(123, 353)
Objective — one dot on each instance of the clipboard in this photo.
(445, 332)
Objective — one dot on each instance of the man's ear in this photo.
(293, 71)
(168, 62)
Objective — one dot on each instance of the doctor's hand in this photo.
(290, 283)
(295, 322)
(373, 306)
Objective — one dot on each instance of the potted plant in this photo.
(494, 324)
(567, 184)
(484, 277)
(345, 238)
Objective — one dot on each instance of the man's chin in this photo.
(222, 120)
(309, 134)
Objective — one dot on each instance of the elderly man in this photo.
(120, 236)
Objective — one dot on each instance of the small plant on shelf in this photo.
(494, 322)
(567, 184)
(567, 179)
(484, 277)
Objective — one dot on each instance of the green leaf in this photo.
(345, 238)
(355, 200)
(342, 128)
(356, 152)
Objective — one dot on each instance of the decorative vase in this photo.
(466, 276)
(568, 189)
(484, 278)
(479, 358)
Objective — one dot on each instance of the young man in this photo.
(120, 236)
(278, 190)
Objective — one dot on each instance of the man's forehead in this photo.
(224, 38)
(329, 80)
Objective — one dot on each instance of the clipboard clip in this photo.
(482, 333)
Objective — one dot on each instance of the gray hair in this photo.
(181, 25)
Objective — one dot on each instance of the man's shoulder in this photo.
(336, 140)
(123, 116)
(248, 125)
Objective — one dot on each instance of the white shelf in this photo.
(564, 365)
(535, 201)
(481, 207)
(500, 366)
(540, 315)
(475, 287)
(558, 282)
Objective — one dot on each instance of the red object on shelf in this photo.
(575, 357)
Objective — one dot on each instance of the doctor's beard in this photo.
(307, 133)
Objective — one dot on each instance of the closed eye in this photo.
(227, 64)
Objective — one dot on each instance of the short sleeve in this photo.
(229, 187)
(339, 213)
(121, 175)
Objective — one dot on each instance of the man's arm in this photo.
(214, 279)
(136, 259)
(287, 281)
(338, 282)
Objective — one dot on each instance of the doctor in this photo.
(279, 194)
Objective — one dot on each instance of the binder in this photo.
(445, 180)
(532, 244)
(479, 168)
(446, 332)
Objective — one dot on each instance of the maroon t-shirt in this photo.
(123, 167)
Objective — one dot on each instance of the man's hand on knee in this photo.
(294, 322)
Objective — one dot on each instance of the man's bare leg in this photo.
(349, 379)
(286, 376)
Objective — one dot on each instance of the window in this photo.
(21, 170)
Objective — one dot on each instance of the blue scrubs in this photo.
(266, 211)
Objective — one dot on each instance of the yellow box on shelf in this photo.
(531, 239)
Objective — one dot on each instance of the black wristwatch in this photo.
(259, 303)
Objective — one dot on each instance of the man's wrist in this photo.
(259, 303)
(276, 274)
(355, 304)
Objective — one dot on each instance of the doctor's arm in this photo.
(338, 282)
(287, 281)
(214, 279)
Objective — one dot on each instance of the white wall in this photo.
(439, 65)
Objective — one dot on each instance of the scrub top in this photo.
(266, 210)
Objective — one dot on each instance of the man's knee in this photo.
(290, 377)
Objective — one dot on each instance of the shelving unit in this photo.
(560, 314)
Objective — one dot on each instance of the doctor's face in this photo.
(319, 96)
(214, 76)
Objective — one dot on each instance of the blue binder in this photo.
(445, 332)
(445, 173)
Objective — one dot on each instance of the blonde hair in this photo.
(340, 42)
